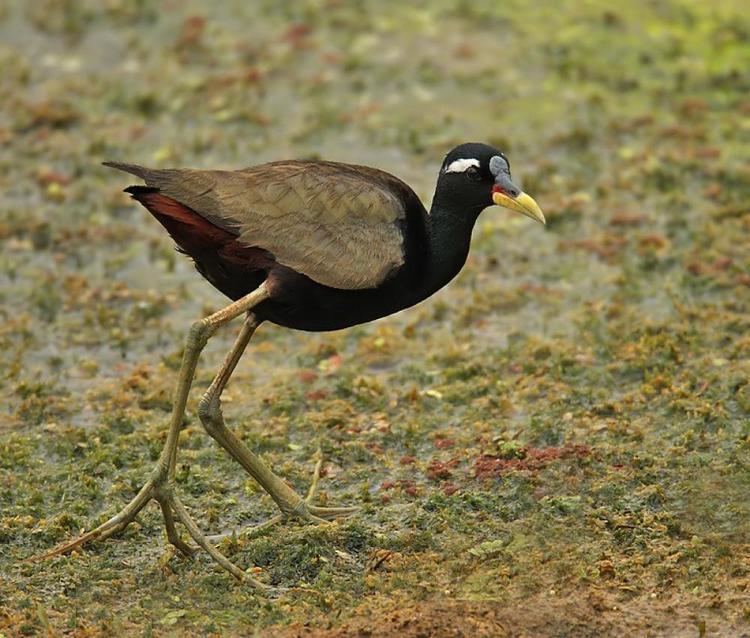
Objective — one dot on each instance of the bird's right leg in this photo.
(160, 485)
(209, 410)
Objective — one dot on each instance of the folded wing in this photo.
(339, 224)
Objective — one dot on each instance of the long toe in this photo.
(248, 531)
(331, 513)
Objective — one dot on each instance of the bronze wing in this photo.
(339, 224)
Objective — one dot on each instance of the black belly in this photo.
(299, 302)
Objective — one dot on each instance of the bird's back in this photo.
(341, 225)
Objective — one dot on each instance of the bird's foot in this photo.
(162, 490)
(308, 512)
(303, 511)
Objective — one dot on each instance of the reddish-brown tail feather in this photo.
(193, 233)
(233, 268)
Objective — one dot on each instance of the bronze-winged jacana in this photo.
(309, 245)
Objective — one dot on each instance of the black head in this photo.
(474, 176)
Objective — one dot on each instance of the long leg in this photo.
(160, 485)
(209, 410)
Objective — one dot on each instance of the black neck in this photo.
(450, 236)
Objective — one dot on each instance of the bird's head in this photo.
(476, 176)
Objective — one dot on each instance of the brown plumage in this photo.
(338, 224)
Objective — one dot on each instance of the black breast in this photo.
(299, 302)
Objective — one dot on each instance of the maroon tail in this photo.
(233, 268)
(194, 234)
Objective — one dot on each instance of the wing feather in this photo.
(339, 224)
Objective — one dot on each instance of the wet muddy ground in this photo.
(558, 444)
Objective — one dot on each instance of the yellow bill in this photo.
(522, 203)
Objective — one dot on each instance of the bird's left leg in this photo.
(209, 411)
(160, 485)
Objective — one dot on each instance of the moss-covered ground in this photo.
(558, 444)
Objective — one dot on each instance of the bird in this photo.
(309, 245)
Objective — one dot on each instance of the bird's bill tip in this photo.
(522, 203)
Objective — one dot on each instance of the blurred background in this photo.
(556, 442)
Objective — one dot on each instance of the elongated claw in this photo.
(331, 513)
(116, 524)
(159, 489)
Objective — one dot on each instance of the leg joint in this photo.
(209, 412)
(199, 334)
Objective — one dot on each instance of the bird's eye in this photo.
(473, 174)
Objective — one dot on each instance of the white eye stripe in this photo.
(461, 165)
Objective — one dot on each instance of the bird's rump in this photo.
(341, 225)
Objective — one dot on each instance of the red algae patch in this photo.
(533, 459)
